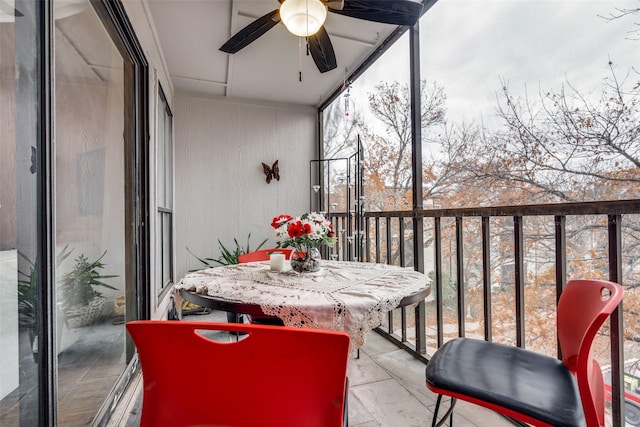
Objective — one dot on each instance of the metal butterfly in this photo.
(271, 172)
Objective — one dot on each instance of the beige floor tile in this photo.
(365, 370)
(409, 372)
(390, 404)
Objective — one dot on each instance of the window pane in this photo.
(167, 250)
(168, 158)
(164, 180)
(161, 172)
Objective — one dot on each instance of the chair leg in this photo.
(448, 414)
(235, 318)
(345, 414)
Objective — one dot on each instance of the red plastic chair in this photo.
(528, 386)
(191, 380)
(263, 255)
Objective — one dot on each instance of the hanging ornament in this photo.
(346, 85)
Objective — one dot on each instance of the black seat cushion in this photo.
(530, 383)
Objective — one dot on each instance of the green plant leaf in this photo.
(228, 256)
(77, 287)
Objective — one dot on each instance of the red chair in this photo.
(263, 255)
(190, 379)
(528, 386)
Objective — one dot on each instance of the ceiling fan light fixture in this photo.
(303, 17)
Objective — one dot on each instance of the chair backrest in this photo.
(583, 307)
(263, 255)
(274, 376)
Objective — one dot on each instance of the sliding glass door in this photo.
(73, 241)
(89, 212)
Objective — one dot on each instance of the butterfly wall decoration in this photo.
(271, 172)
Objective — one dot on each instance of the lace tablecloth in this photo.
(343, 296)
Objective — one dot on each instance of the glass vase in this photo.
(305, 260)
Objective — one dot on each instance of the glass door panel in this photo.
(20, 92)
(90, 229)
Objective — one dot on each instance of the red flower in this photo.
(298, 229)
(279, 220)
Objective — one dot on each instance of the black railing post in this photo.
(377, 233)
(519, 273)
(616, 322)
(367, 224)
(401, 241)
(437, 233)
(460, 274)
(561, 261)
(486, 276)
(389, 246)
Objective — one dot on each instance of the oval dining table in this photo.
(353, 297)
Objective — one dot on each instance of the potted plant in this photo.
(80, 302)
(227, 257)
(27, 296)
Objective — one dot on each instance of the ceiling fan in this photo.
(306, 18)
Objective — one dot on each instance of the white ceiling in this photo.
(191, 32)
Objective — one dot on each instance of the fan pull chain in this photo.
(299, 58)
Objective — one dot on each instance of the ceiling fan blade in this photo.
(322, 51)
(251, 32)
(396, 12)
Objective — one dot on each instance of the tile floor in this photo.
(387, 389)
(89, 363)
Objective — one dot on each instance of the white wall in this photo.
(220, 188)
(221, 192)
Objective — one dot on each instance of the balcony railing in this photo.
(498, 272)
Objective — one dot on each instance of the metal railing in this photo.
(487, 246)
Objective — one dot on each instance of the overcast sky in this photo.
(468, 45)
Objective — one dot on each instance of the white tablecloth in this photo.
(343, 296)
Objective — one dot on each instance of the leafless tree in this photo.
(565, 146)
(388, 142)
(625, 12)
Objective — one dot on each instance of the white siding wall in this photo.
(220, 189)
(221, 192)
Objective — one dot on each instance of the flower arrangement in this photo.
(305, 234)
(308, 230)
